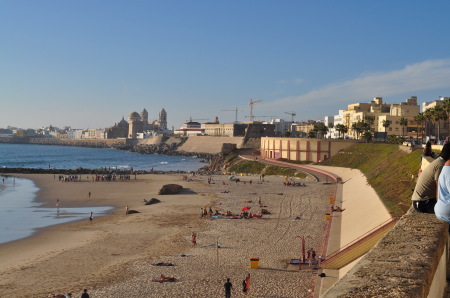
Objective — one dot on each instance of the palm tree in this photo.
(370, 120)
(446, 106)
(330, 126)
(321, 128)
(428, 120)
(420, 120)
(439, 114)
(340, 129)
(403, 123)
(386, 124)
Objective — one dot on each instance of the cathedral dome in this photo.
(134, 116)
(122, 123)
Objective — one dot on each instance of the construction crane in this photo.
(251, 107)
(235, 110)
(293, 114)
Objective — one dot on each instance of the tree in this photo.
(370, 120)
(428, 120)
(312, 133)
(420, 120)
(330, 126)
(438, 114)
(342, 129)
(403, 123)
(446, 106)
(386, 124)
(321, 128)
(367, 136)
(286, 134)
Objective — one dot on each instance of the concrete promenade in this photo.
(364, 211)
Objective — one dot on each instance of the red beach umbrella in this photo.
(245, 208)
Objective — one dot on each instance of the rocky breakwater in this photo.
(165, 149)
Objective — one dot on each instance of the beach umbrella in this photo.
(245, 208)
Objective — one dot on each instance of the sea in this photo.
(21, 215)
(68, 157)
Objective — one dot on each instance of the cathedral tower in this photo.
(163, 120)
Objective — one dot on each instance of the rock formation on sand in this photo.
(170, 189)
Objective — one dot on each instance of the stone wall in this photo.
(208, 144)
(410, 261)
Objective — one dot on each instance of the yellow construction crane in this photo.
(293, 114)
(251, 107)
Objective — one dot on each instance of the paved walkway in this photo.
(364, 211)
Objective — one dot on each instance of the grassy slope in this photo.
(391, 171)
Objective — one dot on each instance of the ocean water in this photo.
(66, 157)
(21, 216)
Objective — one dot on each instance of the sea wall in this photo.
(202, 146)
(410, 261)
(209, 144)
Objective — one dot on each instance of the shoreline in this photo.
(125, 245)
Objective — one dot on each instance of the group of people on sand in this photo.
(205, 212)
(432, 191)
(69, 295)
(228, 286)
(69, 178)
(110, 177)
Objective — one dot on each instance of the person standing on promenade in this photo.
(425, 192)
(85, 294)
(89, 195)
(442, 207)
(228, 286)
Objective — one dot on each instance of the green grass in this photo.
(391, 171)
(281, 171)
(250, 167)
(300, 162)
(254, 167)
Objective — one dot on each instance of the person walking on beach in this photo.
(246, 285)
(194, 239)
(228, 286)
(91, 216)
(85, 294)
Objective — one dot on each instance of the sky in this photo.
(88, 63)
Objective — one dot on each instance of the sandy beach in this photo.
(112, 256)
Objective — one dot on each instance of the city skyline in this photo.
(86, 64)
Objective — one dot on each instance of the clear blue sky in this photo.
(86, 64)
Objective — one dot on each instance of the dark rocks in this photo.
(170, 189)
(151, 201)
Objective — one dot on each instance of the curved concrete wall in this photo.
(208, 144)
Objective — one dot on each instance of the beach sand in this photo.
(112, 255)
